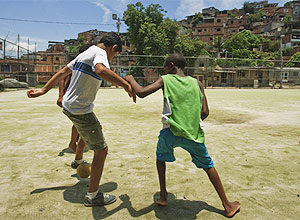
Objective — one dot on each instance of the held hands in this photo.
(129, 89)
(130, 92)
(125, 198)
(59, 101)
(33, 93)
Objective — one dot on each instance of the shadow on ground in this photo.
(69, 151)
(177, 208)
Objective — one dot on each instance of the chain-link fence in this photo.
(34, 68)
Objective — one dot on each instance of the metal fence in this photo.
(37, 68)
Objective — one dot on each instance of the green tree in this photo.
(196, 19)
(257, 17)
(150, 34)
(288, 3)
(294, 61)
(75, 49)
(289, 51)
(189, 46)
(241, 46)
(243, 40)
(153, 35)
(248, 8)
(218, 44)
(170, 28)
(139, 19)
(274, 46)
(287, 19)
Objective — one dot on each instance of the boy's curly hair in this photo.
(177, 59)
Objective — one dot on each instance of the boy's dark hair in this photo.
(177, 59)
(111, 39)
(84, 48)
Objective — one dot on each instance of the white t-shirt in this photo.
(84, 83)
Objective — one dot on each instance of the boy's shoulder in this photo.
(171, 75)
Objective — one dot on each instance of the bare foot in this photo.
(163, 199)
(162, 202)
(232, 208)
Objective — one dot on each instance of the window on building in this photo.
(223, 77)
(205, 29)
(295, 74)
(285, 76)
(218, 20)
(199, 30)
(231, 22)
(5, 68)
(57, 58)
(218, 29)
(233, 31)
(242, 73)
(211, 38)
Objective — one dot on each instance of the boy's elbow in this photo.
(140, 95)
(204, 114)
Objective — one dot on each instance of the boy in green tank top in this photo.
(185, 106)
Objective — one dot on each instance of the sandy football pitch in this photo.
(252, 135)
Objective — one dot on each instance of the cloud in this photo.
(11, 48)
(189, 7)
(229, 4)
(107, 13)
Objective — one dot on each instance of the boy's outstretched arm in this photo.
(204, 110)
(142, 92)
(61, 74)
(114, 78)
(60, 92)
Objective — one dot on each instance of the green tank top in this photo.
(182, 107)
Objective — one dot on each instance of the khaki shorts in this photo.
(89, 129)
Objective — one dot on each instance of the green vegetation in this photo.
(257, 17)
(75, 49)
(294, 61)
(198, 17)
(248, 8)
(152, 34)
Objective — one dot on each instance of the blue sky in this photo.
(95, 12)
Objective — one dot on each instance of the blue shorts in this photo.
(167, 141)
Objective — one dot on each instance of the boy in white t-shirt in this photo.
(76, 143)
(88, 69)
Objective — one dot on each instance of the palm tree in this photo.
(218, 44)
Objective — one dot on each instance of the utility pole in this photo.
(34, 56)
(4, 41)
(115, 17)
(28, 56)
(18, 55)
(281, 61)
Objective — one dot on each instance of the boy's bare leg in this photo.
(74, 139)
(79, 149)
(231, 208)
(97, 169)
(161, 169)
